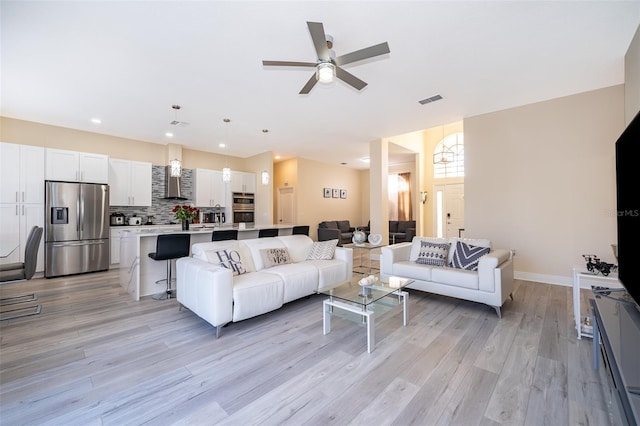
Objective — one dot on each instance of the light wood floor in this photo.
(94, 356)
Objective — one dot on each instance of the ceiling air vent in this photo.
(431, 99)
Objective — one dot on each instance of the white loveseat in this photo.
(234, 280)
(490, 284)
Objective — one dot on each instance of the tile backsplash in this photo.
(161, 209)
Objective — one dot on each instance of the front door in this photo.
(449, 210)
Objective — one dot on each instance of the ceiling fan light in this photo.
(325, 72)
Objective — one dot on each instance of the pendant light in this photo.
(445, 155)
(264, 177)
(226, 171)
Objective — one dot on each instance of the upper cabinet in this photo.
(209, 188)
(76, 166)
(21, 174)
(243, 182)
(129, 183)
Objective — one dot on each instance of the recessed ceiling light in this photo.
(222, 145)
(96, 121)
(277, 157)
(169, 134)
(365, 159)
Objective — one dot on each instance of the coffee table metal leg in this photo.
(326, 317)
(371, 333)
(405, 307)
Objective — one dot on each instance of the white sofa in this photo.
(232, 280)
(490, 284)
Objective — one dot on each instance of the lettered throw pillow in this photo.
(275, 256)
(227, 258)
(467, 256)
(323, 250)
(434, 254)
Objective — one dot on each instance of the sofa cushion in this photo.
(299, 246)
(467, 256)
(299, 279)
(331, 224)
(455, 277)
(275, 256)
(228, 254)
(343, 226)
(434, 254)
(322, 250)
(255, 294)
(413, 270)
(330, 272)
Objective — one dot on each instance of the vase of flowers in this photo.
(185, 214)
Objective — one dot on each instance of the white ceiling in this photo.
(127, 62)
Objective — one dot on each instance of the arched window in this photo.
(448, 157)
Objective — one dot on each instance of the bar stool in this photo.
(271, 232)
(168, 247)
(300, 230)
(224, 234)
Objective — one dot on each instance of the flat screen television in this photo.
(628, 208)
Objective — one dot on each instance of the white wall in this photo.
(541, 179)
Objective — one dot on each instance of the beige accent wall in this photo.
(632, 78)
(309, 178)
(540, 179)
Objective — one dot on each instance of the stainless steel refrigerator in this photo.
(76, 228)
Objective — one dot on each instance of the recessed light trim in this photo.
(169, 134)
(96, 121)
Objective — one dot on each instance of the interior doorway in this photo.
(449, 206)
(286, 206)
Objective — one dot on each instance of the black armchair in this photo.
(339, 230)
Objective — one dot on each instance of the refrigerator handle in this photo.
(79, 217)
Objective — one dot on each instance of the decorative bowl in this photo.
(375, 239)
(359, 237)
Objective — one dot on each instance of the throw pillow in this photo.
(227, 258)
(275, 256)
(467, 256)
(434, 254)
(323, 250)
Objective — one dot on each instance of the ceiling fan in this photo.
(328, 66)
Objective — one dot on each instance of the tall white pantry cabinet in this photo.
(21, 200)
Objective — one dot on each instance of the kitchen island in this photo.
(139, 273)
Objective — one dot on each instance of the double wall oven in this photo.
(243, 208)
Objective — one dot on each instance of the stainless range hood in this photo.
(173, 186)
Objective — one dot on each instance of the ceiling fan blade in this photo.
(349, 78)
(316, 29)
(289, 64)
(359, 55)
(307, 87)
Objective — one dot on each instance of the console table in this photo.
(581, 273)
(617, 323)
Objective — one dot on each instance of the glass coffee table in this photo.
(364, 302)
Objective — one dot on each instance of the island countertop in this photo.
(139, 273)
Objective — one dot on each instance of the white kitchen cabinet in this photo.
(210, 189)
(74, 166)
(243, 182)
(21, 200)
(114, 246)
(129, 183)
(21, 173)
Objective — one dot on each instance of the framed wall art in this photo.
(343, 193)
(336, 193)
(327, 193)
